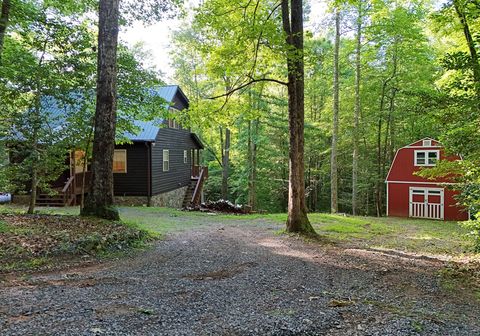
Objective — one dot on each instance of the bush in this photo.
(473, 226)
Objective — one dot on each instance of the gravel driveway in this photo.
(240, 279)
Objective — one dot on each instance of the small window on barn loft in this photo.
(426, 158)
(185, 156)
(166, 160)
(120, 161)
(427, 143)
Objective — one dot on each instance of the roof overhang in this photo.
(197, 140)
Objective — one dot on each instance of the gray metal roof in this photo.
(148, 131)
(167, 92)
(56, 112)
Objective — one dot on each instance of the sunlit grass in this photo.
(405, 234)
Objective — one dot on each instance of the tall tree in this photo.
(4, 17)
(356, 112)
(336, 112)
(292, 19)
(470, 40)
(225, 148)
(100, 200)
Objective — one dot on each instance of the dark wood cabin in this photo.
(159, 166)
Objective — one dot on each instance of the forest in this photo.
(378, 75)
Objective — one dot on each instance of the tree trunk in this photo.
(34, 154)
(336, 107)
(475, 63)
(292, 19)
(356, 113)
(252, 156)
(85, 166)
(100, 199)
(225, 163)
(4, 17)
(378, 179)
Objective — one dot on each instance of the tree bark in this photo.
(100, 199)
(252, 163)
(34, 155)
(336, 107)
(225, 162)
(357, 109)
(460, 10)
(4, 17)
(292, 19)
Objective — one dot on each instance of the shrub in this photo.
(473, 226)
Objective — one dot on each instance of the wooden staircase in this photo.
(66, 196)
(194, 191)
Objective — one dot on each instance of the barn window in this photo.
(427, 143)
(166, 160)
(185, 156)
(426, 158)
(120, 161)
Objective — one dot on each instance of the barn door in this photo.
(426, 203)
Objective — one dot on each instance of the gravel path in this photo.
(240, 279)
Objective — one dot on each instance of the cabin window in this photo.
(427, 143)
(120, 161)
(426, 158)
(166, 160)
(185, 156)
(173, 124)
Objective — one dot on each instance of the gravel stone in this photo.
(240, 280)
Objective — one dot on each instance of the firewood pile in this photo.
(223, 206)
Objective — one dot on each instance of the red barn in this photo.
(409, 195)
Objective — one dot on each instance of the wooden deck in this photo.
(66, 195)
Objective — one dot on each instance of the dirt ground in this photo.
(243, 279)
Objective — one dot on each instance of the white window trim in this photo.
(126, 160)
(427, 143)
(166, 159)
(185, 156)
(426, 164)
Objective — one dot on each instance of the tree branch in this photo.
(253, 81)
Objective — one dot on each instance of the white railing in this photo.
(426, 210)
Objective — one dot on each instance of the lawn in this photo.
(403, 234)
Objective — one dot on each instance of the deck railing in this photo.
(68, 191)
(197, 193)
(426, 210)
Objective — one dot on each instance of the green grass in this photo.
(404, 234)
(4, 227)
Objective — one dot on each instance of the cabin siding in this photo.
(179, 174)
(135, 181)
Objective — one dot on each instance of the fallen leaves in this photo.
(26, 238)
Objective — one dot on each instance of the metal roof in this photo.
(167, 92)
(56, 113)
(148, 131)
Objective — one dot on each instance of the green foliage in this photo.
(473, 227)
(49, 65)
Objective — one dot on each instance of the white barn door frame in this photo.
(426, 209)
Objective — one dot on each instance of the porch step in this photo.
(50, 200)
(189, 192)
